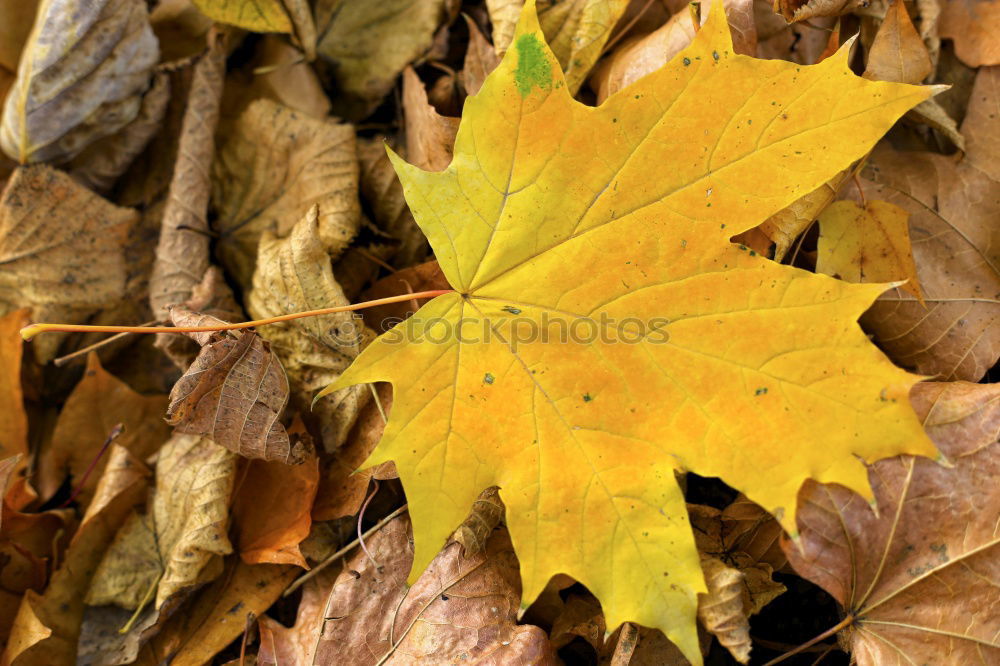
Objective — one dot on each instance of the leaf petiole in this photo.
(32, 330)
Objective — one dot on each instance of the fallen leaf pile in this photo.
(714, 372)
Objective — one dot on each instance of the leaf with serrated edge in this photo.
(765, 380)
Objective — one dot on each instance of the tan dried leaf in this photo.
(366, 45)
(503, 18)
(14, 425)
(802, 43)
(182, 252)
(422, 277)
(60, 607)
(16, 20)
(61, 250)
(787, 224)
(638, 57)
(430, 137)
(295, 645)
(97, 404)
(919, 577)
(100, 164)
(480, 59)
(801, 10)
(81, 77)
(748, 528)
(721, 611)
(476, 529)
(234, 394)
(255, 15)
(974, 26)
(169, 548)
(382, 190)
(577, 31)
(898, 53)
(931, 113)
(273, 167)
(460, 608)
(294, 274)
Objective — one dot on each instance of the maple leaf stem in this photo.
(31, 331)
(117, 430)
(846, 622)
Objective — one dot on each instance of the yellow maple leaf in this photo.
(604, 332)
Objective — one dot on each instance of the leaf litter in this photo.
(194, 161)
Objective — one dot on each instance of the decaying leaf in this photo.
(381, 189)
(273, 167)
(898, 53)
(918, 571)
(182, 252)
(476, 529)
(233, 394)
(480, 59)
(97, 404)
(255, 15)
(14, 425)
(82, 76)
(461, 608)
(785, 226)
(636, 58)
(577, 32)
(956, 248)
(294, 274)
(272, 507)
(583, 436)
(59, 609)
(429, 135)
(169, 549)
(366, 45)
(721, 609)
(801, 10)
(422, 277)
(870, 244)
(61, 250)
(296, 645)
(973, 25)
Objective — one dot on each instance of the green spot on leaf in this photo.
(488, 378)
(533, 68)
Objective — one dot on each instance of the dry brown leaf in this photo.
(217, 615)
(503, 17)
(14, 424)
(255, 15)
(233, 394)
(273, 167)
(271, 510)
(919, 577)
(16, 20)
(898, 53)
(480, 59)
(487, 512)
(343, 483)
(59, 609)
(382, 190)
(803, 43)
(577, 31)
(459, 609)
(870, 244)
(61, 248)
(956, 248)
(169, 548)
(801, 10)
(276, 72)
(181, 28)
(931, 113)
(749, 529)
(422, 277)
(101, 163)
(97, 404)
(182, 252)
(974, 26)
(294, 274)
(430, 137)
(366, 45)
(303, 26)
(721, 611)
(634, 645)
(295, 645)
(636, 58)
(579, 617)
(80, 78)
(785, 226)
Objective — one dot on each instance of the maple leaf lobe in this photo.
(533, 68)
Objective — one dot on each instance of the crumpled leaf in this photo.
(272, 508)
(973, 25)
(169, 549)
(476, 529)
(61, 250)
(294, 274)
(870, 244)
(381, 189)
(81, 77)
(255, 15)
(721, 609)
(956, 248)
(14, 424)
(233, 394)
(429, 135)
(785, 226)
(919, 577)
(366, 45)
(217, 614)
(182, 251)
(59, 609)
(274, 166)
(636, 58)
(460, 609)
(98, 403)
(588, 433)
(898, 53)
(801, 10)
